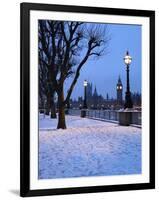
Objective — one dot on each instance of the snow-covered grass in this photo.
(87, 148)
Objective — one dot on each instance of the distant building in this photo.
(97, 101)
(119, 90)
(89, 91)
(107, 97)
(136, 98)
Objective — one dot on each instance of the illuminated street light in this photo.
(85, 83)
(128, 101)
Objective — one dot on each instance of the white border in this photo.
(88, 181)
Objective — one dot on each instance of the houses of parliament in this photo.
(97, 101)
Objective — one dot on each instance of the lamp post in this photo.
(85, 94)
(83, 111)
(128, 100)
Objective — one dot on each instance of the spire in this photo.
(119, 80)
(107, 97)
(95, 92)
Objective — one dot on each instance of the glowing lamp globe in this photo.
(127, 58)
(85, 83)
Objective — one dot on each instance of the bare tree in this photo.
(43, 89)
(47, 61)
(68, 47)
(77, 37)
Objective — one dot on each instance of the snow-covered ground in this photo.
(87, 148)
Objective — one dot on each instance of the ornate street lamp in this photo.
(85, 83)
(128, 100)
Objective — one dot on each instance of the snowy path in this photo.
(88, 148)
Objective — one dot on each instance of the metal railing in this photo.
(103, 114)
(136, 117)
(75, 112)
(107, 115)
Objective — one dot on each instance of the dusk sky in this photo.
(104, 72)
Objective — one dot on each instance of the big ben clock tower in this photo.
(119, 89)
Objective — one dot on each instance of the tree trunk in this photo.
(61, 118)
(53, 110)
(48, 105)
(61, 115)
(47, 111)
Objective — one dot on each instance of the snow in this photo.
(87, 148)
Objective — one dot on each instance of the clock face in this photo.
(119, 87)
